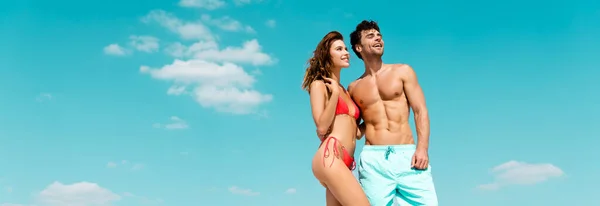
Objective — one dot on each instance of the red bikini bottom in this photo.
(346, 157)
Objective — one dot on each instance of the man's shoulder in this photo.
(401, 69)
(356, 81)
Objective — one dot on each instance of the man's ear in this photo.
(358, 48)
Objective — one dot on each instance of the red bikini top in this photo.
(342, 108)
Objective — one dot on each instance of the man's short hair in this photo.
(356, 35)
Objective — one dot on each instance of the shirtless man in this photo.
(390, 164)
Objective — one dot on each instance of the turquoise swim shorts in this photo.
(385, 174)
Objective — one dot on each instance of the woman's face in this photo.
(339, 54)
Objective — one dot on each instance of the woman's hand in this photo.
(333, 86)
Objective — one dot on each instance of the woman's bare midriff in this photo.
(328, 154)
(344, 129)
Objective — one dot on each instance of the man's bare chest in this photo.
(368, 91)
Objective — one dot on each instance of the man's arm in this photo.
(416, 100)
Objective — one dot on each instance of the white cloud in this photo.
(181, 51)
(115, 50)
(177, 90)
(231, 99)
(290, 191)
(227, 23)
(249, 53)
(521, 173)
(144, 43)
(204, 4)
(77, 194)
(241, 191)
(176, 123)
(225, 87)
(186, 30)
(44, 97)
(81, 194)
(211, 75)
(271, 23)
(177, 50)
(200, 71)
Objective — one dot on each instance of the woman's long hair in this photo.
(319, 66)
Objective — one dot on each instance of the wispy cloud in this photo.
(115, 50)
(204, 4)
(271, 23)
(290, 191)
(136, 166)
(241, 191)
(44, 97)
(521, 173)
(147, 44)
(175, 123)
(227, 23)
(188, 30)
(244, 2)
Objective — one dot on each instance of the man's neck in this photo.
(372, 65)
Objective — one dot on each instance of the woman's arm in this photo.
(323, 108)
(360, 130)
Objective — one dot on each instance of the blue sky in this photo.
(95, 105)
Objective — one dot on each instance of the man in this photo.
(390, 165)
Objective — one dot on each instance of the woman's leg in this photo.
(330, 199)
(344, 186)
(336, 176)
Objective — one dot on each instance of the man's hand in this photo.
(420, 159)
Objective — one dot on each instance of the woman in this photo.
(336, 117)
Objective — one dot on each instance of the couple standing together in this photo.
(390, 164)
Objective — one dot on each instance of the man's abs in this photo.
(387, 123)
(376, 135)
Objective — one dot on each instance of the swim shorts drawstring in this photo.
(389, 151)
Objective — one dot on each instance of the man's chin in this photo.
(378, 54)
(374, 55)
